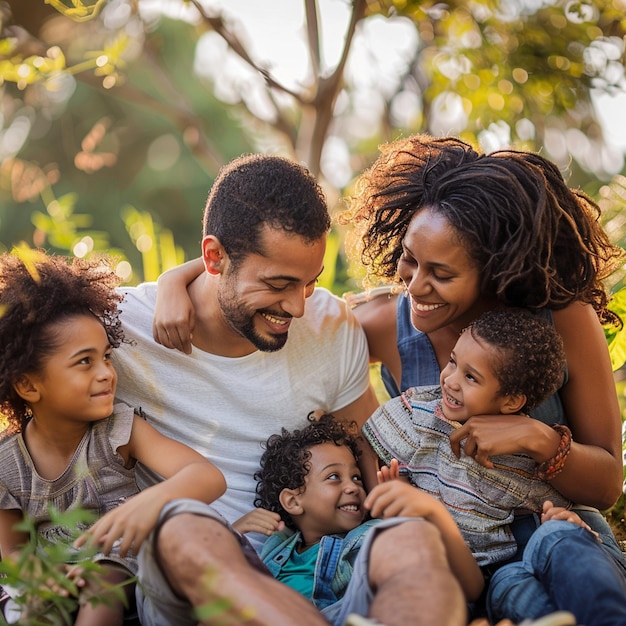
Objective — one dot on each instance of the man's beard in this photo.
(240, 320)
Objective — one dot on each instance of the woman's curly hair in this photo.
(36, 291)
(285, 461)
(529, 357)
(536, 242)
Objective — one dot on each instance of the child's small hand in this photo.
(259, 521)
(75, 573)
(393, 472)
(397, 498)
(130, 524)
(551, 512)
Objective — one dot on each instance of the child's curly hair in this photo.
(37, 291)
(285, 462)
(530, 359)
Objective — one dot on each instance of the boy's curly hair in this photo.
(285, 461)
(529, 359)
(37, 291)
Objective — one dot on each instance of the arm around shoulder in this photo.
(174, 318)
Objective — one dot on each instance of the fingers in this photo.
(456, 437)
(395, 471)
(259, 521)
(384, 474)
(483, 459)
(177, 337)
(75, 574)
(182, 340)
(390, 499)
(125, 539)
(378, 502)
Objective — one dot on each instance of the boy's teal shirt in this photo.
(334, 563)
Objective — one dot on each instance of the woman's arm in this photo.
(173, 321)
(187, 474)
(593, 472)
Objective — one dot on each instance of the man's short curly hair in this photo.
(529, 358)
(258, 190)
(285, 461)
(36, 292)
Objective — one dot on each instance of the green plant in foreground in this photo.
(44, 593)
(616, 337)
(218, 610)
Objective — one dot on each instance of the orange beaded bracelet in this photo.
(553, 466)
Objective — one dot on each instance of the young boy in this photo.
(506, 362)
(310, 492)
(310, 487)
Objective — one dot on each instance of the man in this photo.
(260, 360)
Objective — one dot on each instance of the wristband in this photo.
(553, 466)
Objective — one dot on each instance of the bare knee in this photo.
(189, 545)
(402, 547)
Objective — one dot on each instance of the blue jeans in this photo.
(563, 568)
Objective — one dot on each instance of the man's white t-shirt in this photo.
(224, 407)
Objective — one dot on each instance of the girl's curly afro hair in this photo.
(36, 291)
(285, 462)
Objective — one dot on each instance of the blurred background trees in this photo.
(116, 114)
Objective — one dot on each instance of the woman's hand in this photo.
(484, 436)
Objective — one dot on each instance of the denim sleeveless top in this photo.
(420, 366)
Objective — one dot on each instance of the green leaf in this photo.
(616, 337)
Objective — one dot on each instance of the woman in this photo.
(466, 233)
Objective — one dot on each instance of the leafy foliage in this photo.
(44, 593)
(616, 337)
(113, 105)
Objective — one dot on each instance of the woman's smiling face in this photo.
(442, 280)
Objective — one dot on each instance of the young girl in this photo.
(67, 444)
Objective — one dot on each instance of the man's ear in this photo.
(512, 403)
(213, 255)
(26, 388)
(290, 501)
